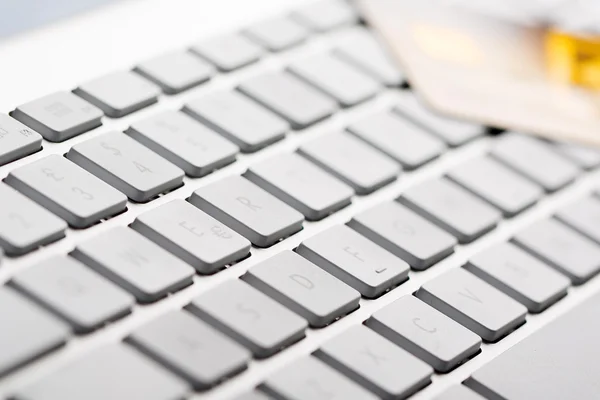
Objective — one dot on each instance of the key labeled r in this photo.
(302, 281)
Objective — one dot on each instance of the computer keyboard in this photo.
(306, 230)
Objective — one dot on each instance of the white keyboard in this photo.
(280, 217)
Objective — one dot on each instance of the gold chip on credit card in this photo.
(474, 67)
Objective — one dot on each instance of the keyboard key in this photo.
(126, 165)
(24, 225)
(338, 153)
(405, 234)
(250, 317)
(68, 191)
(454, 132)
(375, 363)
(562, 248)
(473, 303)
(175, 72)
(325, 15)
(585, 157)
(556, 362)
(452, 208)
(347, 85)
(134, 263)
(458, 392)
(115, 372)
(304, 186)
(119, 93)
(249, 210)
(195, 237)
(360, 48)
(184, 142)
(228, 52)
(308, 378)
(425, 332)
(583, 216)
(277, 34)
(289, 97)
(16, 140)
(58, 116)
(190, 348)
(28, 332)
(239, 119)
(74, 292)
(535, 160)
(519, 275)
(497, 185)
(355, 260)
(404, 142)
(303, 287)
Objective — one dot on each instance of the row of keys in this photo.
(82, 200)
(62, 115)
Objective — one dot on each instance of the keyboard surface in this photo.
(268, 214)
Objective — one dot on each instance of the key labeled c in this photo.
(417, 322)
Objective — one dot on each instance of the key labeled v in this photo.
(470, 295)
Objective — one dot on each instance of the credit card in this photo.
(471, 66)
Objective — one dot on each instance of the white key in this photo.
(24, 225)
(355, 260)
(347, 85)
(16, 140)
(228, 52)
(520, 275)
(452, 208)
(453, 132)
(249, 210)
(74, 292)
(425, 332)
(405, 234)
(176, 71)
(134, 263)
(284, 94)
(308, 378)
(584, 216)
(183, 141)
(239, 119)
(250, 317)
(303, 287)
(304, 186)
(536, 160)
(195, 237)
(277, 33)
(67, 190)
(562, 248)
(405, 142)
(119, 93)
(126, 165)
(473, 303)
(496, 184)
(375, 363)
(59, 116)
(339, 154)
